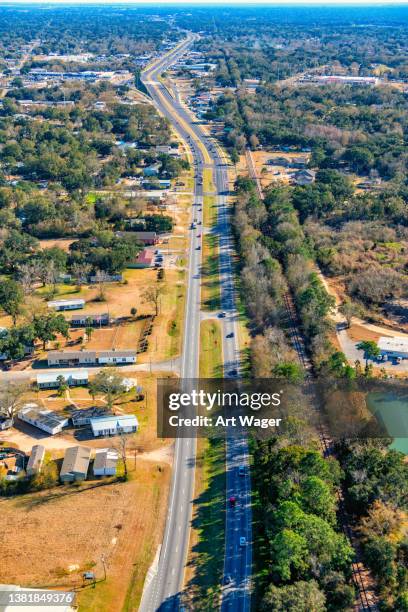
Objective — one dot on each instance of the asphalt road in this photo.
(164, 590)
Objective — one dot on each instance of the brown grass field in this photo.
(49, 538)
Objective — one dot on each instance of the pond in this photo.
(392, 409)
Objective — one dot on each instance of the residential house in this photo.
(152, 170)
(36, 459)
(77, 358)
(96, 320)
(46, 420)
(304, 177)
(105, 462)
(73, 379)
(75, 464)
(6, 422)
(114, 425)
(82, 417)
(61, 305)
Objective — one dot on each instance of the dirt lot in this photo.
(120, 521)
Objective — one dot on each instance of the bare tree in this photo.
(80, 272)
(28, 274)
(151, 295)
(101, 278)
(122, 446)
(11, 397)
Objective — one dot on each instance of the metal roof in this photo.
(105, 458)
(53, 376)
(76, 460)
(110, 422)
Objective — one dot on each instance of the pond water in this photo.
(392, 408)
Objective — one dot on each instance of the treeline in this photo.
(305, 560)
(376, 496)
(273, 247)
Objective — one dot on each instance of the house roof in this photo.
(36, 457)
(44, 417)
(65, 302)
(76, 460)
(105, 458)
(53, 376)
(111, 422)
(145, 257)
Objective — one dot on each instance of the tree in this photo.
(349, 310)
(48, 326)
(89, 330)
(108, 383)
(152, 295)
(370, 348)
(122, 446)
(11, 298)
(11, 397)
(62, 386)
(297, 597)
(16, 341)
(133, 311)
(80, 272)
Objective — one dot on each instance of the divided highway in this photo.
(163, 592)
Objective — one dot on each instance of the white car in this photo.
(242, 541)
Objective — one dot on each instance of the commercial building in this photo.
(52, 380)
(76, 463)
(346, 80)
(147, 238)
(46, 420)
(144, 259)
(61, 305)
(36, 459)
(105, 462)
(114, 425)
(394, 347)
(75, 358)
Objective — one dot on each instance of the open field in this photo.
(120, 521)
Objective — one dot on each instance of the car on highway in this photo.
(198, 248)
(230, 335)
(233, 373)
(241, 470)
(232, 501)
(192, 226)
(242, 541)
(227, 579)
(198, 235)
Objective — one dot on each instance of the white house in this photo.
(105, 463)
(114, 425)
(61, 305)
(72, 379)
(48, 421)
(393, 347)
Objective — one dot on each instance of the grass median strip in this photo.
(210, 290)
(210, 349)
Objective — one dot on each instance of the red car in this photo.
(232, 501)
